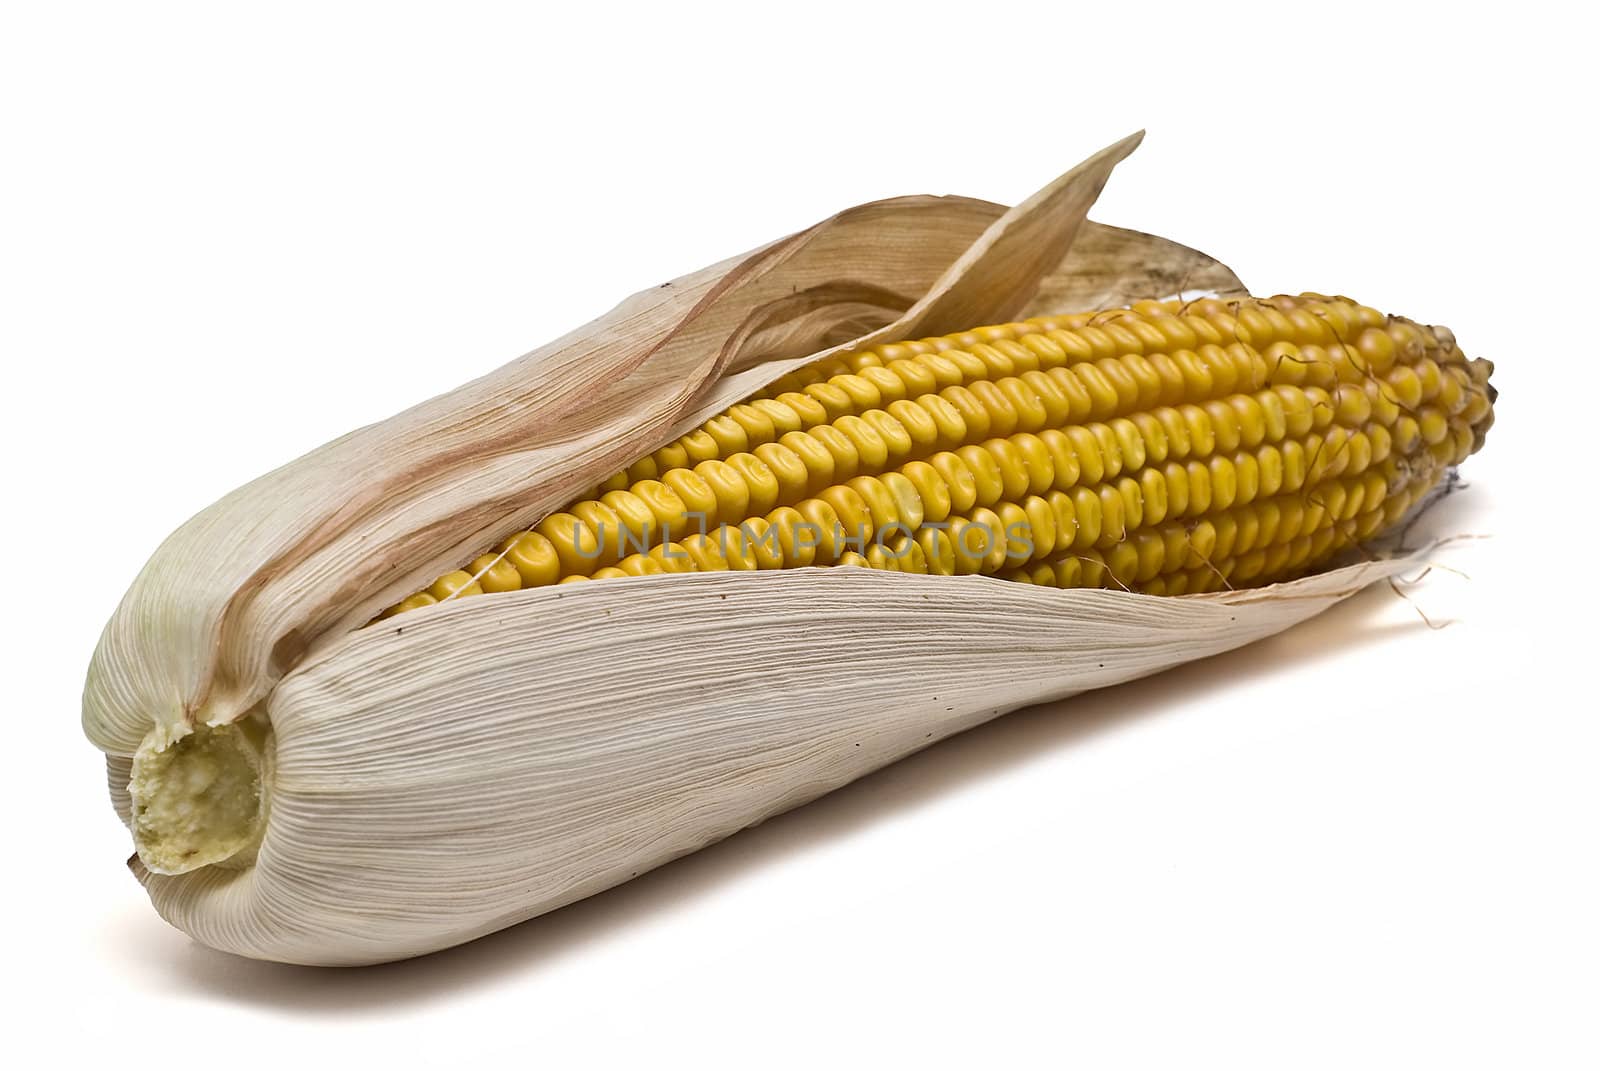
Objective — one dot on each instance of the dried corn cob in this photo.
(1165, 448)
(309, 777)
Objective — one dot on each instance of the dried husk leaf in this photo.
(476, 763)
(566, 740)
(320, 545)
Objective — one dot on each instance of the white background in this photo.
(231, 233)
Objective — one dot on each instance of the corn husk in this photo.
(463, 767)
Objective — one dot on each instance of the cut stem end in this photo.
(200, 799)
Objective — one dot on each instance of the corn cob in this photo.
(304, 789)
(1164, 448)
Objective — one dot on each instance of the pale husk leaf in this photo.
(564, 740)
